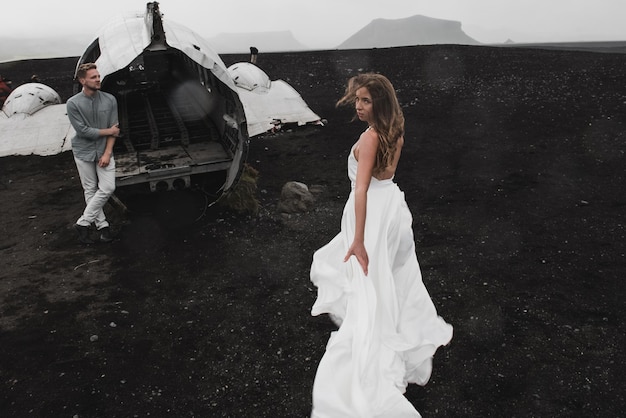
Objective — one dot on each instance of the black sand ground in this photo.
(514, 172)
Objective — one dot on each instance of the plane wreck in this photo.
(180, 115)
(185, 122)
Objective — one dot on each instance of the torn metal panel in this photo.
(268, 103)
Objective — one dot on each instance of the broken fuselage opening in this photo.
(172, 119)
(181, 125)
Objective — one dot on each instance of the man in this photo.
(93, 114)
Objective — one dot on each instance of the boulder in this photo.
(295, 197)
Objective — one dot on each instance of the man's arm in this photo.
(78, 122)
(108, 151)
(86, 131)
(111, 133)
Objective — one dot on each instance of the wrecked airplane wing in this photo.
(22, 134)
(268, 103)
(184, 120)
(29, 98)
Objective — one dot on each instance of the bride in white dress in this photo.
(368, 278)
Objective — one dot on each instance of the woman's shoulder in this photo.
(368, 143)
(369, 135)
(369, 138)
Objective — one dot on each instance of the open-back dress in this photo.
(389, 328)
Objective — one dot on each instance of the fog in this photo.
(327, 23)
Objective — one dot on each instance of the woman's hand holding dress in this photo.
(358, 250)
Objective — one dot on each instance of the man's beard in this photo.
(92, 89)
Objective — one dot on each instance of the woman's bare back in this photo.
(390, 171)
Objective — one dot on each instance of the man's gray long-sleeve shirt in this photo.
(88, 115)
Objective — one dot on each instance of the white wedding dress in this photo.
(389, 328)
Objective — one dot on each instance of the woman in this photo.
(388, 326)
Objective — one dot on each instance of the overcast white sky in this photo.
(327, 23)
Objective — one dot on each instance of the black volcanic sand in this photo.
(513, 169)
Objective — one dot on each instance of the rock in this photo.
(295, 197)
(317, 189)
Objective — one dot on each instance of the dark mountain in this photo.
(415, 30)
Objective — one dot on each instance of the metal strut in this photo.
(152, 124)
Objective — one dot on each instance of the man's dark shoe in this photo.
(83, 234)
(105, 234)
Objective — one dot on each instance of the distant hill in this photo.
(613, 47)
(414, 30)
(17, 49)
(282, 41)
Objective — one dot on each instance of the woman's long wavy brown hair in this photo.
(387, 114)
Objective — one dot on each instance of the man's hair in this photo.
(83, 68)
